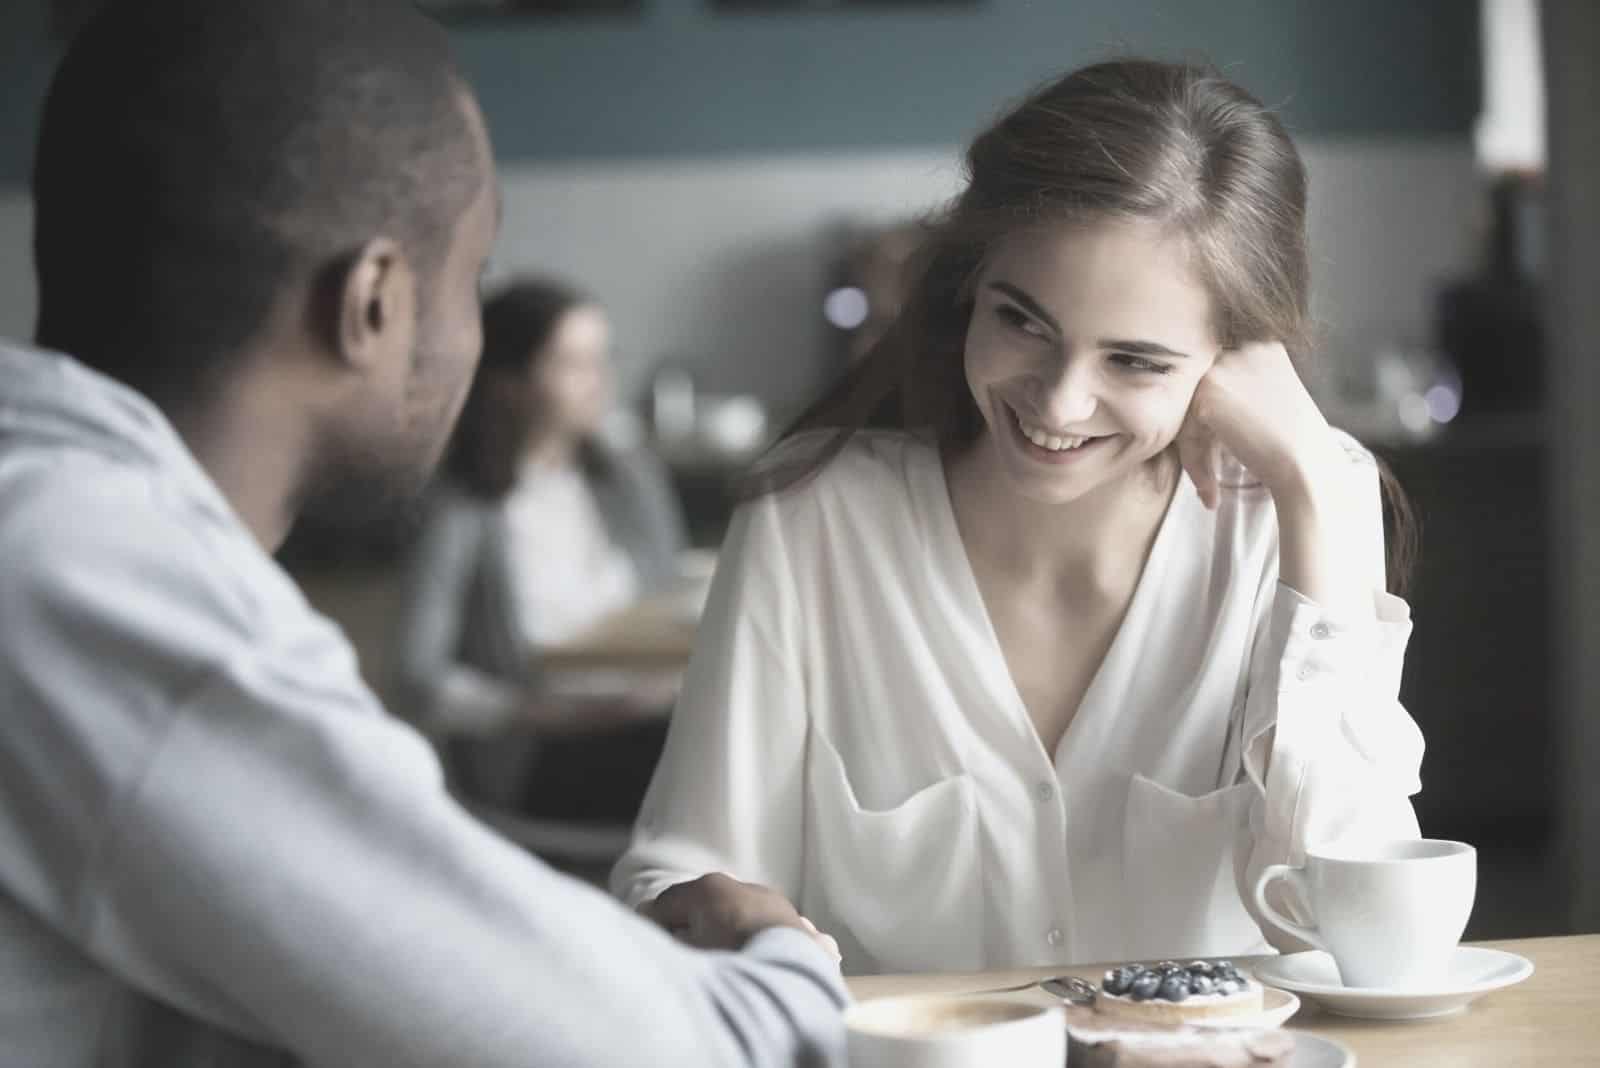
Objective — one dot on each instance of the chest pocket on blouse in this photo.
(906, 880)
(1182, 896)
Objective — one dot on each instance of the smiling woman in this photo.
(1092, 378)
(1065, 612)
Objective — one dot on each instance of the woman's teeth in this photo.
(1053, 442)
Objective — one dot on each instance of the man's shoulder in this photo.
(88, 528)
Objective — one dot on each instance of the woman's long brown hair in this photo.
(1125, 139)
(500, 417)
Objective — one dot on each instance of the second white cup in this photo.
(1390, 913)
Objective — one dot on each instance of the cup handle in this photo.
(1297, 878)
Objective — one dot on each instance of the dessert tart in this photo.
(1174, 993)
(1097, 1039)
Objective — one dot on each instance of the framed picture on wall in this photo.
(785, 6)
(493, 10)
(67, 15)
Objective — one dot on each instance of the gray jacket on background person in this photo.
(463, 659)
(216, 848)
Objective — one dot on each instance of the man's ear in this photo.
(376, 306)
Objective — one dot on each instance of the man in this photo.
(259, 230)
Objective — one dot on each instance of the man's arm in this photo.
(316, 878)
(204, 796)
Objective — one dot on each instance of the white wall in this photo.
(719, 264)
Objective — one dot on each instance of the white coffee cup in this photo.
(1390, 913)
(955, 1031)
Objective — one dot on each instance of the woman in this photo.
(1036, 673)
(537, 532)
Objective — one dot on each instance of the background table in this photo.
(653, 634)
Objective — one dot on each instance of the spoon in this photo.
(1069, 988)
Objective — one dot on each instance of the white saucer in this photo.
(1314, 1051)
(1276, 1007)
(1474, 972)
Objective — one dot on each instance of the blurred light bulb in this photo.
(845, 307)
(1444, 403)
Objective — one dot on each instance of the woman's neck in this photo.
(1095, 545)
(551, 451)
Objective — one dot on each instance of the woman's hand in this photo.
(717, 911)
(1253, 404)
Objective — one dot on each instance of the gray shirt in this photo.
(216, 848)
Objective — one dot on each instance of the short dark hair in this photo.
(196, 156)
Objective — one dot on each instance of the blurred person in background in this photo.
(538, 530)
(1003, 667)
(259, 233)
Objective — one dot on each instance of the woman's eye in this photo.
(1139, 363)
(1015, 319)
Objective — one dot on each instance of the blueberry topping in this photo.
(1145, 986)
(1171, 981)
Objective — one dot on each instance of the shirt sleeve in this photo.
(728, 793)
(249, 839)
(1326, 742)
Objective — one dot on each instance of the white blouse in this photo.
(849, 734)
(566, 572)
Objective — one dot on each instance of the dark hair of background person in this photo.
(501, 415)
(1124, 139)
(198, 157)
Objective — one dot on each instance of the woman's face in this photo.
(1085, 347)
(572, 383)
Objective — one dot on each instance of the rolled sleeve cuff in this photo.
(1318, 644)
(1330, 665)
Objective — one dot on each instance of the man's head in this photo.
(294, 196)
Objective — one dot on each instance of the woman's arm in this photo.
(1324, 736)
(728, 793)
(1326, 740)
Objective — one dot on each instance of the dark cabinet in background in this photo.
(1479, 676)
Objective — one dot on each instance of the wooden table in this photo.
(653, 634)
(1553, 1018)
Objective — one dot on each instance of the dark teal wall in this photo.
(679, 80)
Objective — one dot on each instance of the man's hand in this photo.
(717, 911)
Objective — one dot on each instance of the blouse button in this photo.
(1321, 630)
(1045, 791)
(1055, 937)
(1305, 673)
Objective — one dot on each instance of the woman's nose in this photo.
(1068, 394)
